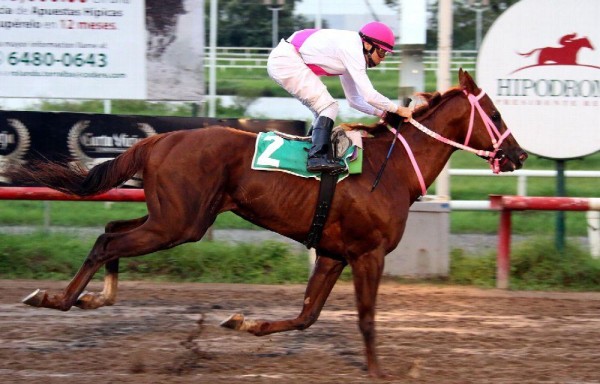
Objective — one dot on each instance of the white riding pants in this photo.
(286, 67)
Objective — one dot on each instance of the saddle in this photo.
(342, 138)
(277, 151)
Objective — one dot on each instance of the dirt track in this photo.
(426, 334)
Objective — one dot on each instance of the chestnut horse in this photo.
(192, 176)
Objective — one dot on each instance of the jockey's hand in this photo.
(405, 112)
(392, 119)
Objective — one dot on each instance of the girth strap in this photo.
(326, 192)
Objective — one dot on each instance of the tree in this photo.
(464, 31)
(248, 23)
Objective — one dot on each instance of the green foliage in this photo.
(234, 30)
(89, 214)
(243, 23)
(35, 257)
(535, 264)
(472, 270)
(266, 263)
(464, 30)
(44, 256)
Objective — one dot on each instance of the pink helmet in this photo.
(378, 34)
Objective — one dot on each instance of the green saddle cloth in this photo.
(276, 153)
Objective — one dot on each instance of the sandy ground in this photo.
(170, 333)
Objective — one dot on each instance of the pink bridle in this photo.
(495, 135)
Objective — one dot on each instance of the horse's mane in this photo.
(431, 101)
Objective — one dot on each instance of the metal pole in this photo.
(478, 6)
(560, 215)
(212, 69)
(442, 186)
(275, 27)
(503, 257)
(478, 27)
(319, 16)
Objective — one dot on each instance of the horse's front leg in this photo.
(366, 271)
(321, 282)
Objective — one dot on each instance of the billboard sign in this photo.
(89, 139)
(101, 49)
(540, 64)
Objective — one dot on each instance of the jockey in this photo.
(297, 62)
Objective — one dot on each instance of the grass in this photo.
(49, 256)
(256, 83)
(535, 265)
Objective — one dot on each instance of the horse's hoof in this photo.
(87, 300)
(82, 294)
(35, 299)
(234, 321)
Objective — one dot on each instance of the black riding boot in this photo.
(318, 159)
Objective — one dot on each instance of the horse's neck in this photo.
(430, 154)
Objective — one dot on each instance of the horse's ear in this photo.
(466, 81)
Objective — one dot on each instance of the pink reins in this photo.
(495, 135)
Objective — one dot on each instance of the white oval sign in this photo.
(540, 64)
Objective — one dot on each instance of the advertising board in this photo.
(540, 64)
(99, 49)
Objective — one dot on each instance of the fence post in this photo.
(503, 258)
(593, 225)
(522, 185)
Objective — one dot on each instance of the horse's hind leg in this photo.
(325, 274)
(147, 238)
(108, 296)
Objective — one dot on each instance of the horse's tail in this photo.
(76, 180)
(529, 53)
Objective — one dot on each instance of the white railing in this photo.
(521, 175)
(256, 58)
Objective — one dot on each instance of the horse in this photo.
(191, 176)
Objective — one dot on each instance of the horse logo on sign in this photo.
(566, 54)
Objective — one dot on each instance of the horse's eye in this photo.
(496, 116)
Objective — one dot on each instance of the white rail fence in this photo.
(521, 189)
(256, 58)
(592, 216)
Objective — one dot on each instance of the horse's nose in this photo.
(522, 157)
